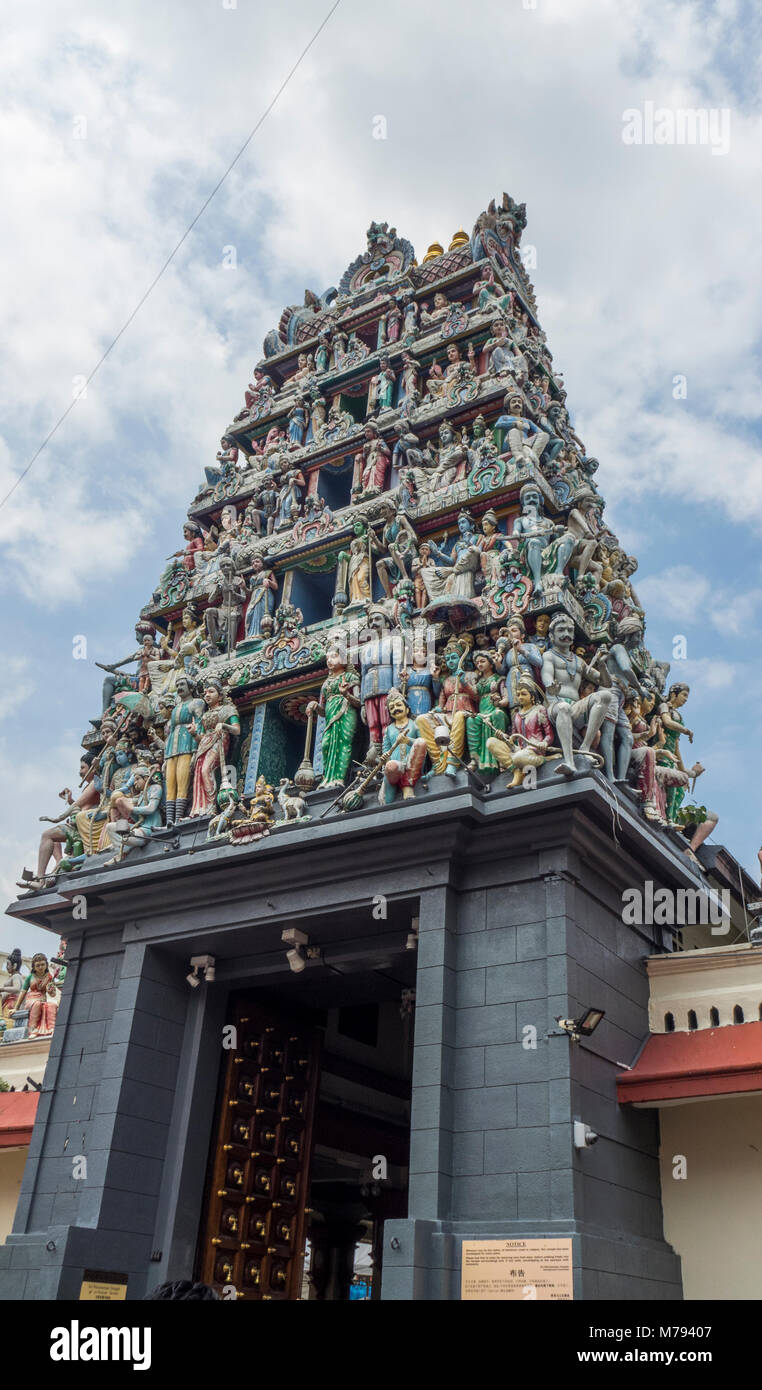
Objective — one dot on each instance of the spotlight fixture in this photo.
(412, 937)
(205, 963)
(582, 1027)
(299, 951)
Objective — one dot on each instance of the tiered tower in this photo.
(400, 662)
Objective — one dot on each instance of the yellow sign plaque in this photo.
(101, 1286)
(517, 1269)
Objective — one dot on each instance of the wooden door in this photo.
(254, 1232)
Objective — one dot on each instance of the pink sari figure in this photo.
(214, 730)
(43, 1000)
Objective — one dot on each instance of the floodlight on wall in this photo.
(582, 1027)
(412, 937)
(299, 951)
(205, 963)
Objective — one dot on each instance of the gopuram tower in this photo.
(354, 829)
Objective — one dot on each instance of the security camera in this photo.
(584, 1136)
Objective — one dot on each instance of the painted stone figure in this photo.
(53, 840)
(444, 727)
(379, 661)
(562, 673)
(226, 603)
(519, 658)
(525, 440)
(531, 734)
(419, 681)
(180, 745)
(214, 730)
(135, 817)
(141, 680)
(453, 573)
(339, 702)
(374, 461)
(547, 547)
(403, 751)
(263, 585)
(41, 990)
(490, 719)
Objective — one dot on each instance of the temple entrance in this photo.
(311, 1140)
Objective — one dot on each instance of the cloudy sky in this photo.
(118, 120)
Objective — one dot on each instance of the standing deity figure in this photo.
(374, 460)
(409, 383)
(381, 392)
(671, 727)
(134, 817)
(444, 727)
(403, 749)
(490, 718)
(213, 729)
(526, 441)
(410, 318)
(290, 495)
(562, 672)
(226, 603)
(531, 734)
(297, 422)
(504, 359)
(263, 585)
(323, 353)
(141, 681)
(180, 745)
(339, 702)
(398, 546)
(42, 990)
(358, 571)
(419, 680)
(618, 673)
(643, 762)
(379, 661)
(547, 548)
(490, 543)
(454, 574)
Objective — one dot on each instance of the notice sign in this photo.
(101, 1286)
(517, 1269)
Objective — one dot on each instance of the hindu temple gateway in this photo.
(345, 870)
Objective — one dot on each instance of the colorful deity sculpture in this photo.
(403, 751)
(179, 748)
(263, 585)
(490, 718)
(547, 548)
(40, 988)
(525, 440)
(338, 702)
(141, 681)
(214, 729)
(374, 461)
(444, 727)
(531, 737)
(562, 673)
(133, 818)
(379, 661)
